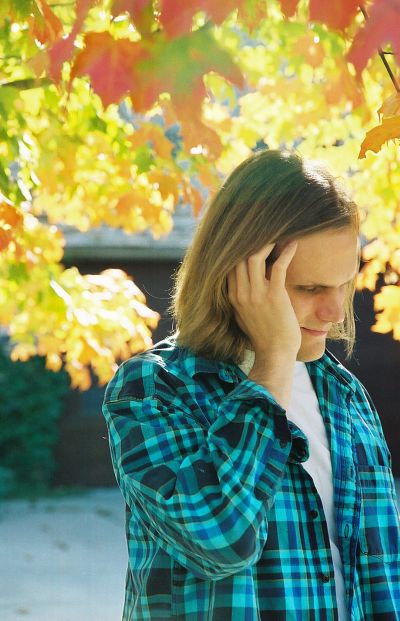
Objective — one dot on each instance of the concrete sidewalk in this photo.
(63, 559)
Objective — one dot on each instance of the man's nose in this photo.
(331, 308)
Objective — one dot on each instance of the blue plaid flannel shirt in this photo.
(223, 523)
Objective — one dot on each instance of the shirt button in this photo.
(314, 514)
(325, 577)
(283, 443)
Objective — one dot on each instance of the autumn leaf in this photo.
(377, 136)
(288, 7)
(177, 67)
(108, 62)
(336, 14)
(312, 52)
(251, 13)
(391, 106)
(141, 12)
(154, 135)
(63, 49)
(344, 85)
(383, 26)
(387, 302)
(46, 27)
(177, 16)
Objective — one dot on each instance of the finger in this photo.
(242, 283)
(256, 267)
(279, 268)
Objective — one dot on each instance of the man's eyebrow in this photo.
(316, 284)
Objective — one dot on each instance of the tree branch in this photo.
(382, 55)
(28, 83)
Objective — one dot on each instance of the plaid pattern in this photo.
(223, 522)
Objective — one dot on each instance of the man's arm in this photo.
(202, 492)
(264, 312)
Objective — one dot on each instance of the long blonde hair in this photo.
(271, 197)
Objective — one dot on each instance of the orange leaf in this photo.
(193, 198)
(336, 14)
(344, 86)
(289, 7)
(46, 27)
(391, 106)
(9, 215)
(377, 136)
(196, 133)
(312, 52)
(251, 13)
(167, 183)
(5, 239)
(383, 26)
(154, 134)
(108, 62)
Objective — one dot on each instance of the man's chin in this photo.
(310, 353)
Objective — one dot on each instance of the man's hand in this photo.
(264, 312)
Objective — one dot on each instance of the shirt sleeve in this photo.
(201, 490)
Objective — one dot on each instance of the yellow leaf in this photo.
(391, 106)
(377, 136)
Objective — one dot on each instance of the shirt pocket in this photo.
(380, 523)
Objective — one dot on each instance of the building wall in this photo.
(83, 454)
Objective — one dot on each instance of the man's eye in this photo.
(309, 289)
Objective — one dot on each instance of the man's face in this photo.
(317, 280)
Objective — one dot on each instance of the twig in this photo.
(382, 55)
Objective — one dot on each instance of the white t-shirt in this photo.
(304, 411)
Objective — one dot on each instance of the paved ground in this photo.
(64, 559)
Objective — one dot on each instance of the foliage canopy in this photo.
(114, 112)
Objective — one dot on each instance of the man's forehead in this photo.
(323, 262)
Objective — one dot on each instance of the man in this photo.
(255, 472)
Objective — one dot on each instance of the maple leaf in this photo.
(383, 26)
(312, 52)
(391, 106)
(288, 7)
(377, 136)
(176, 16)
(337, 14)
(251, 12)
(63, 49)
(177, 67)
(141, 12)
(108, 62)
(345, 85)
(45, 25)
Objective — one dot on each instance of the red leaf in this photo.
(289, 7)
(176, 16)
(109, 63)
(64, 49)
(383, 26)
(336, 14)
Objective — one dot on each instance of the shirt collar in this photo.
(230, 372)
